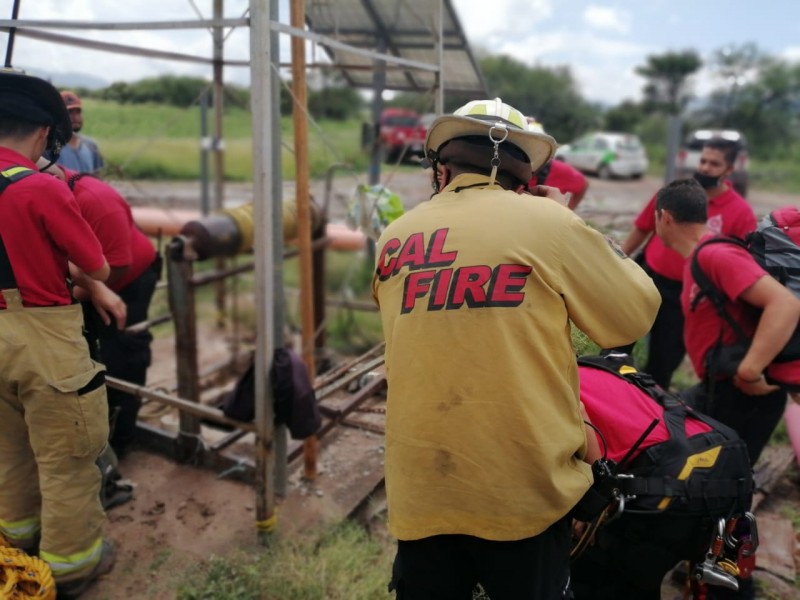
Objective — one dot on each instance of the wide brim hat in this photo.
(485, 117)
(35, 100)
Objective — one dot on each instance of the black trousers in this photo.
(665, 348)
(448, 567)
(632, 555)
(127, 355)
(754, 418)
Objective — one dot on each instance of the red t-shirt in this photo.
(566, 178)
(732, 271)
(42, 229)
(728, 214)
(622, 412)
(111, 219)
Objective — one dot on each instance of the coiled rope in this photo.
(24, 577)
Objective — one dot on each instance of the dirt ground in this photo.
(181, 514)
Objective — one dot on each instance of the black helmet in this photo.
(35, 100)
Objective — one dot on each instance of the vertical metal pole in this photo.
(440, 60)
(205, 146)
(673, 141)
(12, 33)
(300, 120)
(260, 96)
(378, 84)
(184, 315)
(281, 443)
(219, 146)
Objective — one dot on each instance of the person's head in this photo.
(680, 204)
(32, 109)
(73, 104)
(716, 162)
(467, 140)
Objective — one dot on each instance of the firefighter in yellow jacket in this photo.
(53, 412)
(484, 435)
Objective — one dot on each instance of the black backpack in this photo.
(708, 474)
(775, 246)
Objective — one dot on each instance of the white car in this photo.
(606, 155)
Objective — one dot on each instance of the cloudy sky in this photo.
(601, 41)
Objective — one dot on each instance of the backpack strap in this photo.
(709, 290)
(687, 488)
(72, 181)
(12, 175)
(7, 177)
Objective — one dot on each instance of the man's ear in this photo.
(667, 217)
(442, 175)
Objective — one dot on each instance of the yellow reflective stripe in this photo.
(701, 460)
(20, 530)
(11, 171)
(63, 565)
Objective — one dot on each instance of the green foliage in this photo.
(166, 89)
(151, 141)
(549, 94)
(625, 117)
(342, 563)
(335, 103)
(348, 276)
(666, 76)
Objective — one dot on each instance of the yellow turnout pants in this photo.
(53, 426)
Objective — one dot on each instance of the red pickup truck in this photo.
(402, 134)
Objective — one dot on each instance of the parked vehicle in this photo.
(606, 155)
(688, 158)
(402, 134)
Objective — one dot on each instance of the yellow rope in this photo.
(268, 525)
(24, 577)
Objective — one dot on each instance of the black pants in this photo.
(665, 348)
(448, 567)
(754, 418)
(127, 355)
(632, 555)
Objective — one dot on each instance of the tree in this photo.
(338, 103)
(548, 94)
(624, 117)
(734, 65)
(667, 80)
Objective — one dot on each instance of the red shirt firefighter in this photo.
(53, 413)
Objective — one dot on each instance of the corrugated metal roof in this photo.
(404, 28)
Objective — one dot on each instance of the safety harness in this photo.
(7, 177)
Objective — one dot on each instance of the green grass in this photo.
(148, 141)
(775, 176)
(343, 563)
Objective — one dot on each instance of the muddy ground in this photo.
(181, 515)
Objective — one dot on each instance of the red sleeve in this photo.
(646, 221)
(566, 178)
(730, 268)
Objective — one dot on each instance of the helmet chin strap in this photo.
(54, 148)
(496, 157)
